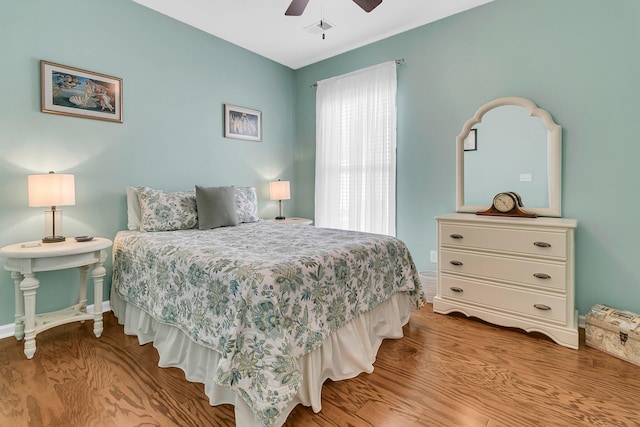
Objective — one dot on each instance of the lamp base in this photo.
(53, 226)
(53, 239)
(280, 218)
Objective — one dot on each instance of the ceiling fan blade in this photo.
(297, 7)
(368, 5)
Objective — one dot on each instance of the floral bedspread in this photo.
(261, 294)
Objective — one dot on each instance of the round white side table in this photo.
(26, 259)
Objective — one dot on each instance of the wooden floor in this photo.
(446, 371)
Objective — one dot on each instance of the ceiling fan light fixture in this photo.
(319, 27)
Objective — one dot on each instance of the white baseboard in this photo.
(7, 331)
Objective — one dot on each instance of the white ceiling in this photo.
(261, 26)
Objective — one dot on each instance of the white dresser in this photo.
(516, 272)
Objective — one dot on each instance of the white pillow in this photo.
(133, 209)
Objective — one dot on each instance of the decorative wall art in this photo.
(74, 92)
(242, 123)
(471, 143)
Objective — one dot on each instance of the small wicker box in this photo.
(614, 331)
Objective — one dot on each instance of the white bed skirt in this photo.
(346, 353)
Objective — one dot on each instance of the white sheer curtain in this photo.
(355, 185)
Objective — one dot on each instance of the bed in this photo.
(260, 312)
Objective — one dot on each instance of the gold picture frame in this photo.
(71, 91)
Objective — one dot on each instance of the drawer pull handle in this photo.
(542, 244)
(456, 236)
(542, 307)
(623, 338)
(458, 290)
(455, 262)
(541, 276)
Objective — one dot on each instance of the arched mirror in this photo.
(510, 145)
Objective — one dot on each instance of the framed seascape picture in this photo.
(74, 92)
(242, 123)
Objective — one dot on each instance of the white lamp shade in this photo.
(51, 189)
(279, 190)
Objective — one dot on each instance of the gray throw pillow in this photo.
(216, 207)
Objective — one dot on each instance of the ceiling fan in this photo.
(297, 6)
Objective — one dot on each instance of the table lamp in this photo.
(52, 189)
(279, 190)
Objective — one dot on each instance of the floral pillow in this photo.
(246, 204)
(166, 210)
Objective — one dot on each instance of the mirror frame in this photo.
(554, 156)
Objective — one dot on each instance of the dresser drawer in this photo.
(553, 308)
(546, 275)
(522, 241)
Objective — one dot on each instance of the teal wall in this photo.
(176, 81)
(578, 59)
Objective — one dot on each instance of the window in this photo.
(356, 150)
